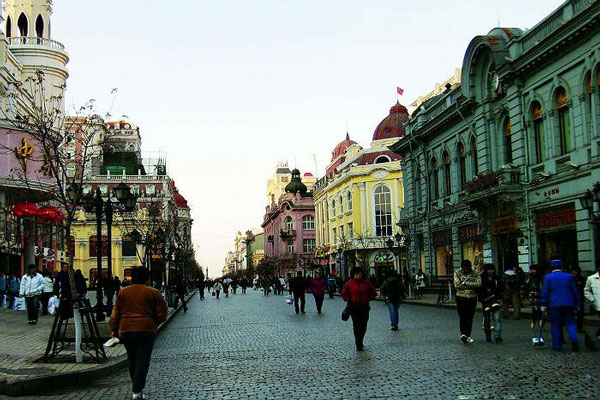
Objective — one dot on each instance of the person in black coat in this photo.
(298, 286)
(490, 296)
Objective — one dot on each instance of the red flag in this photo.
(400, 91)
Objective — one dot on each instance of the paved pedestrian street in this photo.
(252, 347)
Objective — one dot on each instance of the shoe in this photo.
(488, 339)
(360, 347)
(575, 347)
(303, 312)
(532, 325)
(499, 339)
(464, 339)
(395, 327)
(34, 322)
(139, 396)
(470, 339)
(30, 322)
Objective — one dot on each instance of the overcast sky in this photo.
(229, 88)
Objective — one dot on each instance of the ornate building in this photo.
(358, 201)
(289, 229)
(498, 168)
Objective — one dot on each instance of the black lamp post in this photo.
(589, 199)
(126, 202)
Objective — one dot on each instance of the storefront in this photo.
(557, 235)
(442, 243)
(471, 245)
(383, 263)
(505, 234)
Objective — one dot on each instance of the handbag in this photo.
(214, 293)
(346, 312)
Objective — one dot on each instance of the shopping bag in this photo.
(214, 293)
(56, 301)
(51, 305)
(19, 304)
(346, 313)
(289, 299)
(3, 305)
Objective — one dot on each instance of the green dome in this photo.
(296, 184)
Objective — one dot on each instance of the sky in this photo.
(229, 88)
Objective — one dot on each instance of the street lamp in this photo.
(126, 203)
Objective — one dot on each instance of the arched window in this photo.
(462, 164)
(474, 157)
(564, 127)
(22, 24)
(508, 148)
(289, 223)
(39, 27)
(435, 183)
(383, 211)
(382, 159)
(308, 222)
(447, 177)
(8, 26)
(538, 132)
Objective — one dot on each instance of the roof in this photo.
(342, 146)
(392, 126)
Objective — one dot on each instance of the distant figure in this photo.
(580, 282)
(136, 315)
(490, 296)
(393, 290)
(298, 287)
(533, 288)
(512, 290)
(592, 293)
(180, 289)
(419, 284)
(116, 285)
(358, 292)
(318, 286)
(217, 287)
(200, 285)
(32, 285)
(80, 285)
(331, 285)
(46, 291)
(244, 284)
(561, 298)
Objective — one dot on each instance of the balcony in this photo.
(488, 185)
(36, 41)
(287, 233)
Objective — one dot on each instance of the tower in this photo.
(28, 31)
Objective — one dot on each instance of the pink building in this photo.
(289, 227)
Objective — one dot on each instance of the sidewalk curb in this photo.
(35, 385)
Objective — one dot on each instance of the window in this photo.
(290, 246)
(309, 245)
(334, 235)
(289, 223)
(417, 186)
(308, 222)
(474, 159)
(588, 90)
(350, 230)
(538, 133)
(447, 178)
(104, 190)
(564, 126)
(341, 204)
(94, 246)
(128, 247)
(435, 184)
(70, 171)
(39, 26)
(8, 27)
(508, 149)
(349, 200)
(382, 159)
(462, 165)
(333, 208)
(150, 190)
(383, 211)
(22, 24)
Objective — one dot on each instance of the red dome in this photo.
(393, 125)
(342, 146)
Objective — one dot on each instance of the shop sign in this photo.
(469, 233)
(503, 225)
(556, 217)
(442, 238)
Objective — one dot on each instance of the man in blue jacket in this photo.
(561, 299)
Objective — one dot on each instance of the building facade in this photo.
(358, 201)
(495, 169)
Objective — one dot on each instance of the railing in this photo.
(36, 41)
(129, 177)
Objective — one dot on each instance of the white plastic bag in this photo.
(289, 299)
(19, 304)
(3, 301)
(56, 301)
(52, 305)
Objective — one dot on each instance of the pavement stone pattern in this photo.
(255, 347)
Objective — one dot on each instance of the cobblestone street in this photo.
(252, 347)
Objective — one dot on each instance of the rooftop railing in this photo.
(37, 41)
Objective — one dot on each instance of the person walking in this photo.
(512, 290)
(217, 287)
(80, 284)
(138, 311)
(116, 285)
(298, 287)
(318, 285)
(490, 296)
(580, 282)
(46, 291)
(358, 292)
(243, 284)
(592, 293)
(533, 288)
(32, 285)
(225, 284)
(393, 291)
(331, 285)
(419, 284)
(2, 287)
(180, 290)
(561, 299)
(466, 282)
(200, 283)
(13, 287)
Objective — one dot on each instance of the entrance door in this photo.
(508, 252)
(558, 244)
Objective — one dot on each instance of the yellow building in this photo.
(358, 202)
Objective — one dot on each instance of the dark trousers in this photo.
(243, 289)
(201, 293)
(330, 291)
(44, 299)
(319, 302)
(299, 297)
(466, 310)
(562, 317)
(33, 307)
(139, 349)
(360, 317)
(218, 292)
(181, 297)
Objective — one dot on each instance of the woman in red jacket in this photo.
(318, 285)
(358, 292)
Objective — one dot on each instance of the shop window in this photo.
(508, 147)
(474, 157)
(538, 133)
(462, 165)
(447, 177)
(308, 245)
(308, 222)
(564, 126)
(383, 211)
(435, 184)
